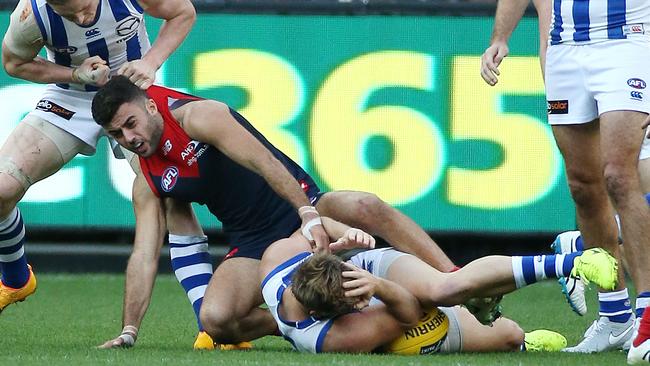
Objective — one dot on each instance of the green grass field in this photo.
(70, 314)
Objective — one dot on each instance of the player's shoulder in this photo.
(23, 36)
(278, 253)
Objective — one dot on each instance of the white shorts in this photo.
(585, 81)
(454, 341)
(70, 111)
(376, 261)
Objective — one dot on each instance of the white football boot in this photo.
(604, 335)
(639, 355)
(572, 288)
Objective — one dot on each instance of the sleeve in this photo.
(23, 37)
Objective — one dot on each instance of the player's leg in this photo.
(484, 277)
(596, 220)
(230, 312)
(190, 259)
(642, 298)
(621, 129)
(35, 150)
(369, 213)
(188, 250)
(503, 335)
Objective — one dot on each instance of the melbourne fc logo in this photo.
(169, 178)
(636, 83)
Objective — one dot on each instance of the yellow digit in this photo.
(343, 123)
(275, 91)
(531, 163)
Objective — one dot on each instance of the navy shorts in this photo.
(253, 243)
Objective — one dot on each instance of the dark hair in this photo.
(318, 285)
(110, 97)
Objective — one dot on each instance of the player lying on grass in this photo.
(374, 300)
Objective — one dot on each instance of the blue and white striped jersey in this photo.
(585, 21)
(117, 35)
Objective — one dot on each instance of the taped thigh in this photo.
(69, 146)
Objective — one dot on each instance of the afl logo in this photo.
(169, 178)
(636, 83)
(128, 27)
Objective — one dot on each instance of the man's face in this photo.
(137, 126)
(81, 12)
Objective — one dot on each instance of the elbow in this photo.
(10, 68)
(410, 323)
(411, 318)
(188, 15)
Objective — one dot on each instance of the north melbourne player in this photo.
(324, 305)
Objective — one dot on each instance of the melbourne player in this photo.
(321, 304)
(197, 150)
(86, 41)
(586, 23)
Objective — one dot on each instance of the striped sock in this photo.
(13, 263)
(642, 302)
(530, 269)
(193, 267)
(615, 305)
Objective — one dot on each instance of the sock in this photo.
(642, 302)
(193, 267)
(13, 263)
(530, 269)
(644, 329)
(615, 305)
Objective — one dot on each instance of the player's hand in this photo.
(125, 340)
(360, 284)
(352, 239)
(140, 72)
(312, 229)
(92, 70)
(490, 61)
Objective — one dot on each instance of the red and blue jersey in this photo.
(194, 171)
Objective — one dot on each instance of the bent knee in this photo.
(218, 324)
(369, 207)
(511, 335)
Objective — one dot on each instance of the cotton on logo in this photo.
(169, 178)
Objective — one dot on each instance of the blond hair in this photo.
(318, 285)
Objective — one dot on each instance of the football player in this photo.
(322, 304)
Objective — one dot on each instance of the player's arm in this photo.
(544, 16)
(143, 262)
(373, 326)
(211, 122)
(179, 17)
(346, 237)
(508, 15)
(22, 43)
